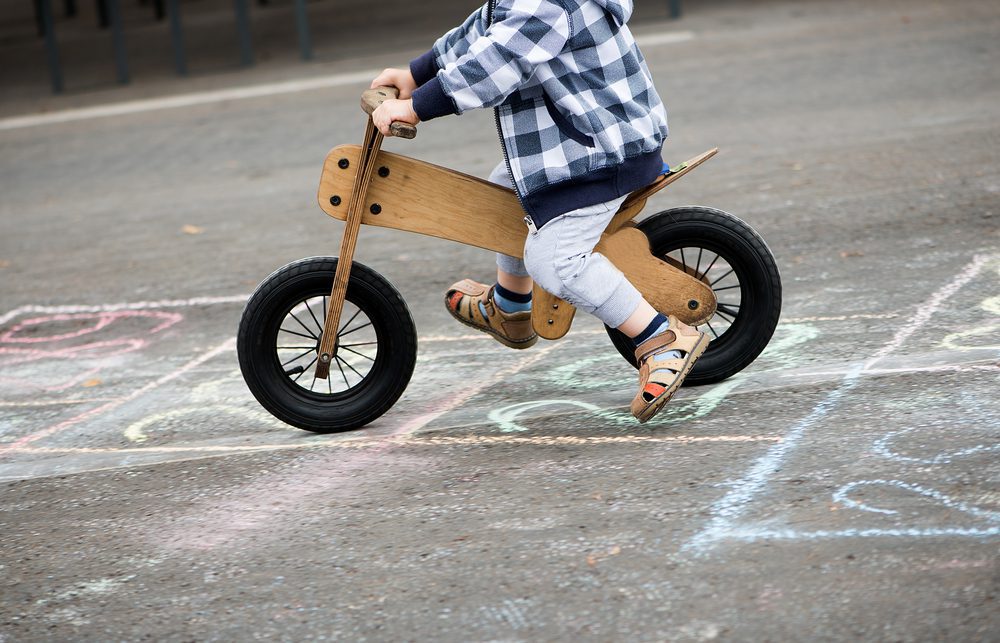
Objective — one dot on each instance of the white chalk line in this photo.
(730, 507)
(360, 78)
(842, 496)
(754, 535)
(936, 368)
(882, 447)
(111, 308)
(191, 302)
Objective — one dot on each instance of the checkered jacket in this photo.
(578, 117)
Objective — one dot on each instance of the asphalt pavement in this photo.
(844, 486)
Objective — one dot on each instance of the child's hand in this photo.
(391, 111)
(401, 79)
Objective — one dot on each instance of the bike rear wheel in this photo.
(735, 262)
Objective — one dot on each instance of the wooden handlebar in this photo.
(372, 98)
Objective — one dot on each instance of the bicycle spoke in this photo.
(309, 308)
(730, 271)
(725, 315)
(348, 323)
(296, 357)
(358, 344)
(294, 348)
(329, 385)
(313, 383)
(684, 263)
(359, 354)
(726, 288)
(342, 374)
(348, 365)
(697, 268)
(705, 274)
(292, 332)
(339, 335)
(302, 325)
(712, 329)
(305, 369)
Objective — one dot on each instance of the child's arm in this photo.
(522, 36)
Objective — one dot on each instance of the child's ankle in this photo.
(511, 302)
(658, 325)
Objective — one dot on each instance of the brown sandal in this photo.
(510, 329)
(659, 378)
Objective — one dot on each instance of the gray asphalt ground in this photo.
(845, 486)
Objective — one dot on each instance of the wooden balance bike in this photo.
(327, 344)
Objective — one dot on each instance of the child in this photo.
(581, 127)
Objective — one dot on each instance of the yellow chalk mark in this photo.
(992, 305)
(364, 443)
(956, 341)
(135, 432)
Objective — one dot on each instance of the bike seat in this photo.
(669, 175)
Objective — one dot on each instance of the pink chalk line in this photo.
(102, 320)
(258, 503)
(109, 308)
(227, 345)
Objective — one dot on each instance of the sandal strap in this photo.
(469, 287)
(464, 298)
(677, 338)
(671, 365)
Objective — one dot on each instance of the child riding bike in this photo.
(581, 126)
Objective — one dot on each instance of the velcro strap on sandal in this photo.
(654, 344)
(470, 287)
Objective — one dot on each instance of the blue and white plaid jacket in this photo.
(578, 117)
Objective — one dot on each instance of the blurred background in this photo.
(84, 46)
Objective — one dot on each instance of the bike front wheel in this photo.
(279, 337)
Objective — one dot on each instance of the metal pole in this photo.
(177, 37)
(675, 8)
(118, 41)
(302, 23)
(243, 31)
(51, 48)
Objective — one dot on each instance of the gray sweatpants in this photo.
(560, 258)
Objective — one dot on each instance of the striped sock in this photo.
(510, 301)
(660, 324)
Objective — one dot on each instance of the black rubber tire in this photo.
(360, 404)
(754, 266)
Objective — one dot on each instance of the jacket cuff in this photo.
(424, 67)
(430, 101)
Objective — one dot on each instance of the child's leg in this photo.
(504, 309)
(511, 272)
(560, 258)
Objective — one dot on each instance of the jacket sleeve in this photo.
(448, 47)
(523, 35)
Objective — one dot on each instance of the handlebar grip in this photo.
(372, 98)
